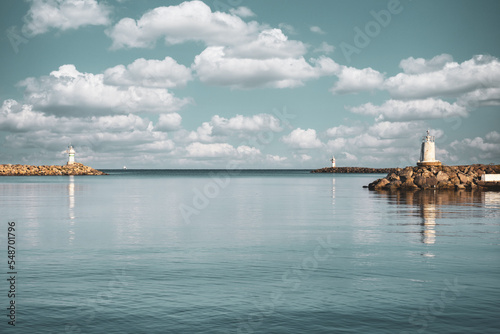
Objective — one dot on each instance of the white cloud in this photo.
(302, 157)
(382, 143)
(188, 21)
(289, 29)
(300, 138)
(344, 130)
(478, 148)
(169, 122)
(242, 12)
(353, 80)
(493, 137)
(68, 91)
(240, 123)
(270, 43)
(275, 158)
(325, 48)
(411, 110)
(398, 130)
(217, 150)
(219, 128)
(480, 72)
(63, 14)
(317, 30)
(213, 66)
(15, 117)
(480, 97)
(421, 65)
(166, 73)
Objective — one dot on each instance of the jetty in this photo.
(30, 170)
(438, 177)
(358, 170)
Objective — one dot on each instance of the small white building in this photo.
(71, 155)
(428, 152)
(333, 161)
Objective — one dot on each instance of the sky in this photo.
(249, 83)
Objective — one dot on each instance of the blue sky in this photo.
(248, 84)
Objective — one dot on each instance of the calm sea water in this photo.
(250, 252)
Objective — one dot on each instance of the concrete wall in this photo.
(490, 177)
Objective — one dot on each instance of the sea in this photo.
(245, 251)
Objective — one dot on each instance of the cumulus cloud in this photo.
(493, 137)
(289, 29)
(166, 73)
(325, 48)
(68, 91)
(478, 148)
(275, 158)
(240, 123)
(63, 14)
(353, 80)
(411, 110)
(16, 117)
(381, 143)
(421, 65)
(300, 138)
(169, 122)
(270, 43)
(302, 157)
(239, 126)
(218, 150)
(242, 12)
(480, 72)
(317, 30)
(188, 21)
(213, 66)
(344, 130)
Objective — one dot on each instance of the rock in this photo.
(75, 169)
(392, 177)
(394, 184)
(464, 178)
(408, 184)
(381, 184)
(445, 177)
(426, 181)
(442, 176)
(406, 173)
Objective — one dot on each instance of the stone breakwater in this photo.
(359, 170)
(437, 177)
(74, 169)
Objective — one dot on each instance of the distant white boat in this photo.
(124, 167)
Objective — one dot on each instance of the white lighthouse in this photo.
(71, 155)
(428, 152)
(333, 161)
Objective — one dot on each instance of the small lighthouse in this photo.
(428, 152)
(71, 155)
(333, 161)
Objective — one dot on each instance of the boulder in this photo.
(426, 182)
(442, 176)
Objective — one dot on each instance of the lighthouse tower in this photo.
(428, 152)
(333, 161)
(71, 155)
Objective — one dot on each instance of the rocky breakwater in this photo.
(360, 170)
(436, 177)
(27, 170)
